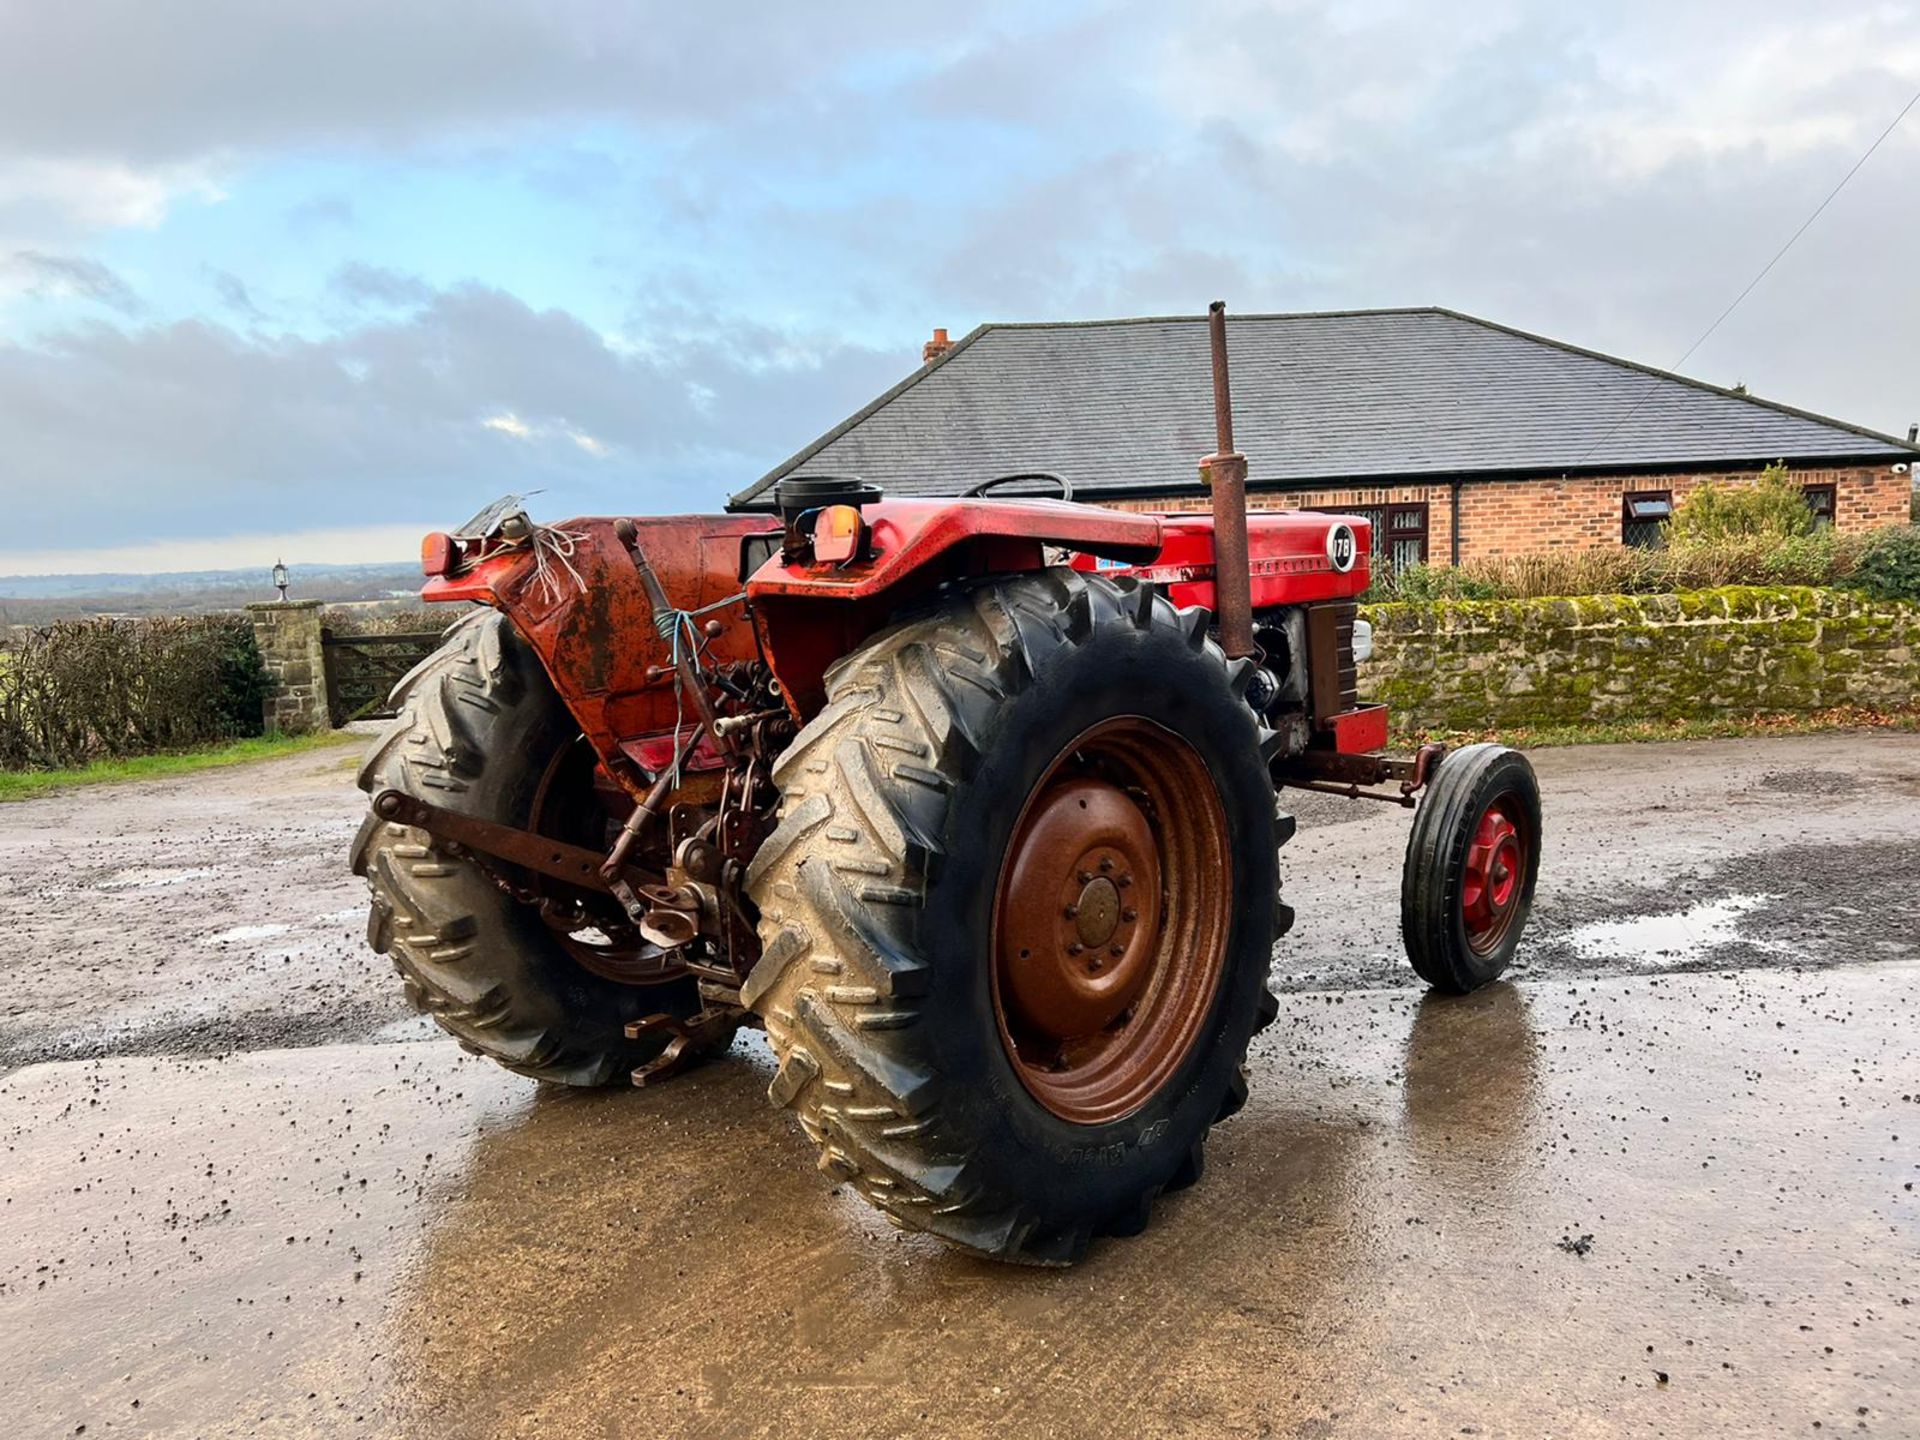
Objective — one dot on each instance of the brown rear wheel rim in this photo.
(1110, 920)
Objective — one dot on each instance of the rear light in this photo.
(837, 534)
(438, 554)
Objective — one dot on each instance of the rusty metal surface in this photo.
(571, 863)
(1330, 668)
(1080, 912)
(1225, 472)
(697, 1038)
(669, 631)
(1110, 924)
(1331, 772)
(598, 640)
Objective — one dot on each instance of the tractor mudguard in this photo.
(809, 615)
(585, 614)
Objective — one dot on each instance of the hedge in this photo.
(1885, 563)
(85, 690)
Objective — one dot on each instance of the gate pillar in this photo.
(288, 634)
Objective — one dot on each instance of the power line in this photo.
(1654, 382)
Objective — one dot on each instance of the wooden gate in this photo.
(363, 669)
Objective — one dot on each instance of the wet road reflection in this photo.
(1472, 1076)
(394, 1240)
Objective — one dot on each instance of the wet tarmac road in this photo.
(395, 1239)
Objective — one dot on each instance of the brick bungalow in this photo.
(1461, 439)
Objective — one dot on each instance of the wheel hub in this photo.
(1099, 907)
(1110, 920)
(1496, 860)
(1074, 954)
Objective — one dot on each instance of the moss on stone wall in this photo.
(1737, 650)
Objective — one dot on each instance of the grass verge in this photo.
(26, 784)
(1532, 737)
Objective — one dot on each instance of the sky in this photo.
(307, 280)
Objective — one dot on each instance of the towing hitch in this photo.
(553, 858)
(1327, 772)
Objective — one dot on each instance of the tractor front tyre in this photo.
(482, 732)
(1472, 858)
(1018, 912)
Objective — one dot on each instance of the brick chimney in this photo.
(935, 348)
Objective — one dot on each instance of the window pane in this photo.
(1642, 518)
(1820, 500)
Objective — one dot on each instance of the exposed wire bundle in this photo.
(682, 637)
(552, 554)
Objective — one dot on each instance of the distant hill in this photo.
(38, 599)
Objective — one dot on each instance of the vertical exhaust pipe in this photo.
(1224, 473)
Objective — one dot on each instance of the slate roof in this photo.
(1125, 407)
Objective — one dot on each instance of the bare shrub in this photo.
(1821, 558)
(84, 690)
(401, 618)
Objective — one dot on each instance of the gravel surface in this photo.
(1661, 1184)
(214, 912)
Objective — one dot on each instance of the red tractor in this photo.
(971, 804)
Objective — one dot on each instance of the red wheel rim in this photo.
(1110, 920)
(1495, 874)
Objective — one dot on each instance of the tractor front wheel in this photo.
(1018, 913)
(1472, 859)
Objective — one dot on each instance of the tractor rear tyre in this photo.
(1018, 913)
(480, 729)
(1472, 858)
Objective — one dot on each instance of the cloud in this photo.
(509, 425)
(362, 284)
(234, 294)
(92, 192)
(47, 276)
(118, 436)
(744, 262)
(153, 84)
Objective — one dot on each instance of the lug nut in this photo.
(1129, 914)
(1072, 910)
(1106, 862)
(1116, 951)
(1086, 876)
(1124, 881)
(1075, 948)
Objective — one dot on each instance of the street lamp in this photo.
(280, 579)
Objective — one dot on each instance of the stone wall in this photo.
(288, 634)
(1739, 650)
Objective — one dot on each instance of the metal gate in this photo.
(363, 669)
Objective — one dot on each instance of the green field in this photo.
(26, 784)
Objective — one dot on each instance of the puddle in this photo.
(1660, 942)
(147, 877)
(248, 932)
